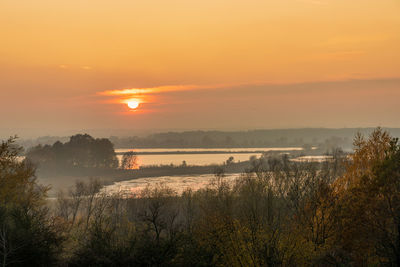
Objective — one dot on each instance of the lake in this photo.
(196, 156)
(192, 156)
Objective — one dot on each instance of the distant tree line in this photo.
(81, 151)
(326, 138)
(343, 212)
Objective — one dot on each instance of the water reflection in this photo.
(190, 159)
(196, 156)
(179, 184)
(194, 150)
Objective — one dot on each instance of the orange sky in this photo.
(57, 57)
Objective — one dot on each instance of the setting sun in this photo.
(133, 104)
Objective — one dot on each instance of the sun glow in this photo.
(133, 104)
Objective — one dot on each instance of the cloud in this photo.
(86, 67)
(148, 95)
(149, 90)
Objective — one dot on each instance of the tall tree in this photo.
(27, 234)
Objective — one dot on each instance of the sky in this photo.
(72, 65)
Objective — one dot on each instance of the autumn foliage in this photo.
(343, 212)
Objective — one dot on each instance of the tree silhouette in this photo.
(82, 150)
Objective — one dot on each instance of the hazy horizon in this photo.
(123, 133)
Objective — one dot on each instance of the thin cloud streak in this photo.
(160, 89)
(147, 95)
(150, 90)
